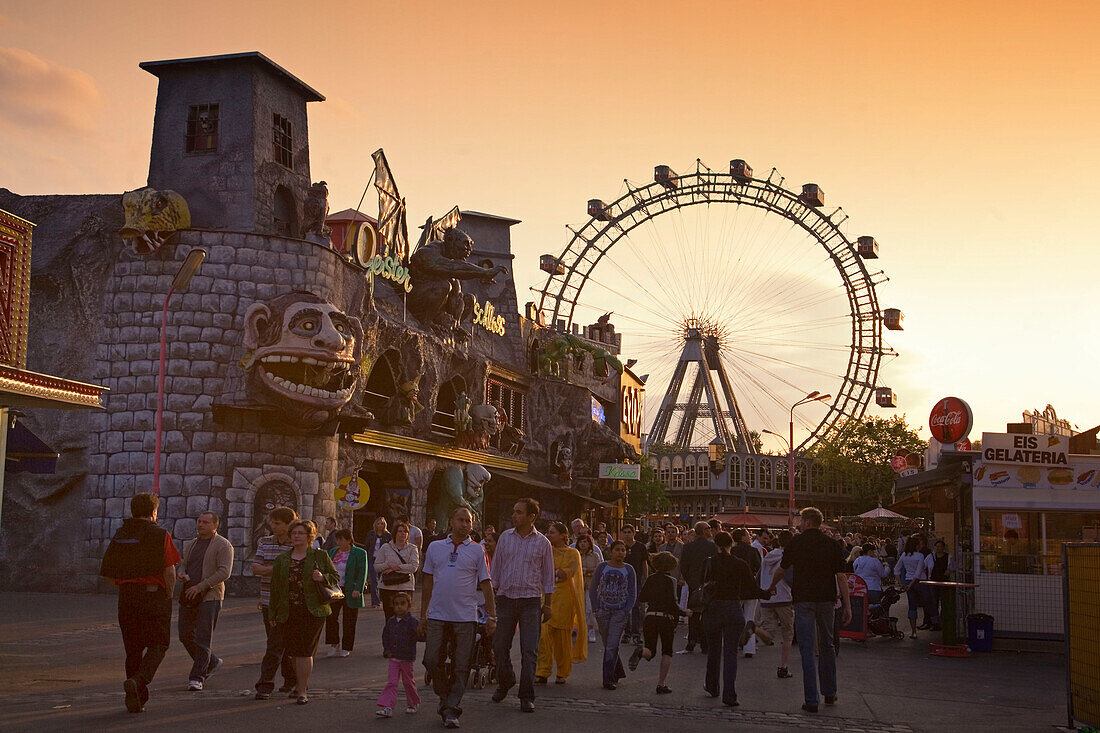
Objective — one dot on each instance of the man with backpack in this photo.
(141, 560)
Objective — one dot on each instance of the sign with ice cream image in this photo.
(1033, 462)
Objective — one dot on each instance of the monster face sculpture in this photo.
(151, 216)
(303, 357)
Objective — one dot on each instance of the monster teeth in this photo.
(310, 360)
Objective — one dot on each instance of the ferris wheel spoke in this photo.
(656, 308)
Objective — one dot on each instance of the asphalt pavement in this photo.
(61, 668)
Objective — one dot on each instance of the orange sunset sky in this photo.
(961, 135)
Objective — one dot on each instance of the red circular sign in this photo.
(951, 420)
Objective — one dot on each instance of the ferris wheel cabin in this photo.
(597, 209)
(551, 264)
(886, 397)
(740, 170)
(665, 176)
(867, 248)
(812, 195)
(893, 318)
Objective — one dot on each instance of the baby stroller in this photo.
(879, 620)
(482, 666)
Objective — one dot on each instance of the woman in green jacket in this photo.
(295, 603)
(351, 564)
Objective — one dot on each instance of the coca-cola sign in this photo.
(951, 420)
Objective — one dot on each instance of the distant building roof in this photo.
(311, 94)
(350, 215)
(510, 221)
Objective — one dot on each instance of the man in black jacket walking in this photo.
(141, 559)
(692, 564)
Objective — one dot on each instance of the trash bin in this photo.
(979, 632)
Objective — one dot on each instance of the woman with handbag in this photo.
(374, 540)
(396, 562)
(303, 580)
(351, 563)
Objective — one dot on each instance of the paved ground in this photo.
(61, 668)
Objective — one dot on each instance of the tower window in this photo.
(202, 128)
(282, 142)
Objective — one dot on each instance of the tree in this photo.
(860, 456)
(647, 495)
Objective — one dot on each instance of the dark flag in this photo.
(391, 210)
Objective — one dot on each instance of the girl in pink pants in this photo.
(399, 645)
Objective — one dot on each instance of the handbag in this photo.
(395, 578)
(702, 596)
(328, 593)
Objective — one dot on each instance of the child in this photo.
(399, 645)
(612, 593)
(662, 615)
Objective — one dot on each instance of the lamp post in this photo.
(814, 396)
(183, 276)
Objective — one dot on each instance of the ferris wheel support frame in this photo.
(591, 243)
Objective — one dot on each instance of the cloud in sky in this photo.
(42, 96)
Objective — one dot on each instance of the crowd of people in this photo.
(559, 588)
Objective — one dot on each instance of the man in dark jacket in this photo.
(692, 564)
(141, 559)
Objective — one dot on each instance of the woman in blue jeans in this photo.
(723, 620)
(612, 594)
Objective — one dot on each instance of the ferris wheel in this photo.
(749, 286)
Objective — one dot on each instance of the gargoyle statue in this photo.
(461, 488)
(437, 270)
(151, 217)
(315, 211)
(561, 459)
(484, 424)
(403, 406)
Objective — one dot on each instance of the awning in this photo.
(27, 453)
(753, 520)
(880, 513)
(527, 480)
(22, 388)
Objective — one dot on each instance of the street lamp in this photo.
(814, 396)
(183, 277)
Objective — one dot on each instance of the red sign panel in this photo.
(857, 597)
(951, 420)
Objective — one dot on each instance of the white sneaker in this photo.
(412, 709)
(333, 651)
(384, 712)
(194, 685)
(343, 653)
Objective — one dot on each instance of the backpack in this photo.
(136, 551)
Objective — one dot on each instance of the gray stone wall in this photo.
(206, 465)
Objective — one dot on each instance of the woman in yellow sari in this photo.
(556, 644)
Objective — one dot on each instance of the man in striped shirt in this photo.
(523, 578)
(275, 658)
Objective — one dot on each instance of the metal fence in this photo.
(1081, 598)
(1023, 594)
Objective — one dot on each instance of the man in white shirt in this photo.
(456, 578)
